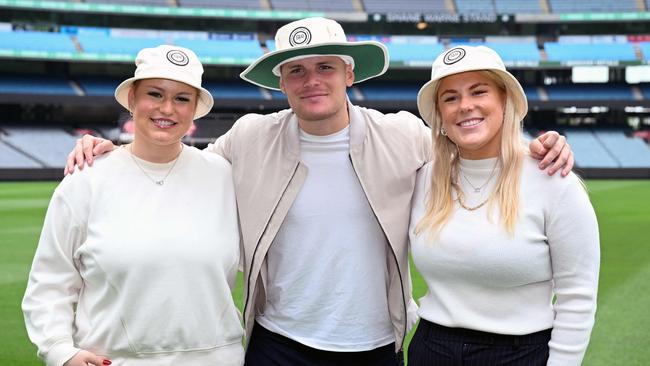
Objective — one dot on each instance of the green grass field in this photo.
(620, 337)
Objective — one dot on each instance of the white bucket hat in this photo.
(168, 62)
(311, 37)
(467, 58)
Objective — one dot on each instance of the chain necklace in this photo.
(480, 188)
(468, 208)
(158, 182)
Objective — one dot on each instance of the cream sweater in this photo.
(481, 278)
(138, 272)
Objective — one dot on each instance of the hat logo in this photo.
(178, 57)
(453, 55)
(299, 36)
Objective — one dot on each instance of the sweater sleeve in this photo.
(572, 232)
(54, 284)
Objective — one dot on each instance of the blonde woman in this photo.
(494, 238)
(138, 256)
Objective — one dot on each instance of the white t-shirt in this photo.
(479, 277)
(327, 267)
(138, 272)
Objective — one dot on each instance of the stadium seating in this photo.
(98, 86)
(645, 90)
(590, 51)
(233, 90)
(588, 151)
(131, 2)
(377, 91)
(222, 4)
(106, 44)
(517, 7)
(475, 7)
(589, 92)
(426, 52)
(313, 5)
(413, 6)
(509, 51)
(246, 51)
(12, 158)
(630, 152)
(581, 6)
(49, 146)
(36, 41)
(13, 84)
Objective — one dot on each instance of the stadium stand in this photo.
(475, 7)
(590, 51)
(107, 44)
(517, 7)
(588, 151)
(48, 146)
(12, 158)
(581, 6)
(630, 152)
(223, 4)
(414, 6)
(509, 51)
(131, 2)
(248, 50)
(645, 90)
(313, 5)
(27, 84)
(409, 52)
(36, 41)
(389, 91)
(97, 86)
(589, 92)
(233, 90)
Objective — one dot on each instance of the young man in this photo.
(324, 192)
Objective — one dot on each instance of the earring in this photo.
(442, 131)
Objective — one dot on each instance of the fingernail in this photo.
(106, 362)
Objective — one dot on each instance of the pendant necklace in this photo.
(158, 182)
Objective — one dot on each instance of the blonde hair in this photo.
(445, 168)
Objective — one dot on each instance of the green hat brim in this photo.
(370, 60)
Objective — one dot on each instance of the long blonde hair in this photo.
(445, 168)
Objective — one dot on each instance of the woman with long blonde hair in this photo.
(494, 238)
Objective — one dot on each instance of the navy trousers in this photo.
(436, 345)
(267, 348)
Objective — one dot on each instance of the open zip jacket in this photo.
(386, 151)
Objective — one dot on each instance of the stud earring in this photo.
(442, 131)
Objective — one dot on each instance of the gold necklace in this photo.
(158, 182)
(478, 189)
(459, 198)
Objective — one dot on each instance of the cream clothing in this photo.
(137, 272)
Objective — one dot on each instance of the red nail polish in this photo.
(106, 362)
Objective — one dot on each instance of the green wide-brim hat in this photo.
(316, 37)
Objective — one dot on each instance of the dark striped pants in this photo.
(436, 345)
(267, 348)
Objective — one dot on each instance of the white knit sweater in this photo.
(479, 277)
(138, 272)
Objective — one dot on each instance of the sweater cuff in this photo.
(59, 353)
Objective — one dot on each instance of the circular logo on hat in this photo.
(453, 55)
(299, 36)
(178, 57)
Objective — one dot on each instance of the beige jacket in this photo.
(386, 152)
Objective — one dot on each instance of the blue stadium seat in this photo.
(475, 7)
(414, 51)
(246, 50)
(588, 151)
(49, 145)
(12, 158)
(645, 90)
(589, 51)
(589, 92)
(517, 7)
(10, 84)
(104, 44)
(313, 5)
(524, 51)
(582, 6)
(631, 152)
(221, 4)
(412, 6)
(99, 86)
(645, 49)
(36, 41)
(233, 90)
(378, 91)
